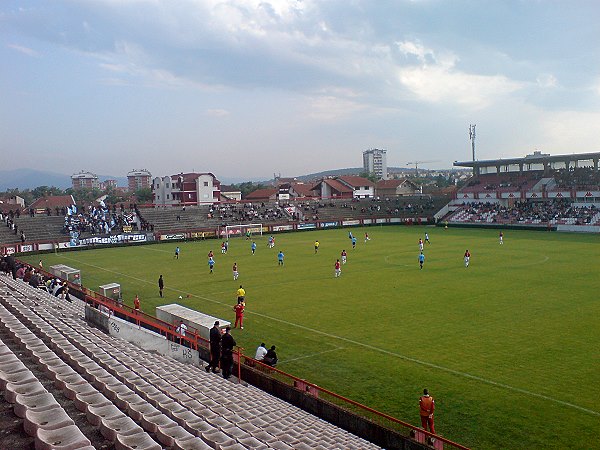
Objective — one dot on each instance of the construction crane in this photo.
(416, 164)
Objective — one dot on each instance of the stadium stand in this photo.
(117, 393)
(559, 192)
(170, 219)
(503, 182)
(41, 228)
(7, 235)
(203, 218)
(558, 211)
(405, 207)
(578, 178)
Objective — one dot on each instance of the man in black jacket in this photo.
(12, 265)
(227, 345)
(271, 357)
(215, 348)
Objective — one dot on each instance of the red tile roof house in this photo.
(300, 190)
(41, 205)
(262, 195)
(395, 188)
(345, 187)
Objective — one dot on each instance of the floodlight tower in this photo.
(472, 139)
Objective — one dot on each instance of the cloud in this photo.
(330, 107)
(596, 87)
(114, 81)
(570, 131)
(438, 84)
(135, 65)
(416, 49)
(307, 71)
(300, 46)
(546, 80)
(436, 79)
(25, 50)
(217, 112)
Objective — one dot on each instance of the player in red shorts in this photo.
(239, 314)
(426, 408)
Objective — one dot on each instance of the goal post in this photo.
(251, 229)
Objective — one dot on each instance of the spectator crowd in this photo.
(531, 212)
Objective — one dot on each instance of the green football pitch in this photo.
(509, 347)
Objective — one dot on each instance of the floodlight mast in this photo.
(472, 139)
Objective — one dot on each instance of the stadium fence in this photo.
(341, 411)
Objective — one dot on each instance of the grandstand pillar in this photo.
(595, 164)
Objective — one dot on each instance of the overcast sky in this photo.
(248, 88)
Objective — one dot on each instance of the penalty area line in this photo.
(377, 349)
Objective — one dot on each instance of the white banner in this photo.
(588, 194)
(282, 228)
(94, 240)
(171, 237)
(328, 224)
(559, 194)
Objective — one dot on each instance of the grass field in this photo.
(509, 348)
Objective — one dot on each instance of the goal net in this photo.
(248, 230)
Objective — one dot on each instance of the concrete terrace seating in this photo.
(140, 393)
(409, 207)
(7, 236)
(200, 217)
(502, 182)
(578, 178)
(165, 219)
(41, 227)
(43, 416)
(58, 428)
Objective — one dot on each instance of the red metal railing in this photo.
(385, 420)
(193, 340)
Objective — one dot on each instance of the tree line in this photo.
(85, 195)
(113, 196)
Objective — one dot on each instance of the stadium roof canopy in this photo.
(530, 162)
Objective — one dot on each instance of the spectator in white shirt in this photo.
(261, 351)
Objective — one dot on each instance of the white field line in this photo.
(311, 355)
(373, 348)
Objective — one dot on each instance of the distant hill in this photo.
(31, 178)
(331, 173)
(347, 171)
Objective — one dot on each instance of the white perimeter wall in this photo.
(141, 337)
